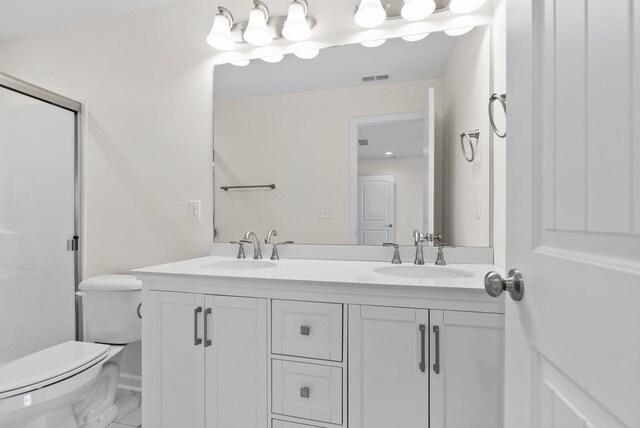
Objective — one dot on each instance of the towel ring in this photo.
(469, 135)
(503, 100)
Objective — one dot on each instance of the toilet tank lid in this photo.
(111, 283)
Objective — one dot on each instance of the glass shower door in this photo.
(37, 215)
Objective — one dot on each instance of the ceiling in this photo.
(338, 67)
(404, 139)
(19, 18)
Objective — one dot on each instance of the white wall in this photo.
(409, 180)
(499, 54)
(466, 90)
(280, 139)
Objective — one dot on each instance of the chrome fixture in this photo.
(468, 136)
(503, 101)
(418, 239)
(258, 186)
(494, 284)
(440, 261)
(240, 244)
(396, 253)
(271, 234)
(274, 250)
(257, 253)
(261, 28)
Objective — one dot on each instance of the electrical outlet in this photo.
(325, 212)
(194, 210)
(478, 209)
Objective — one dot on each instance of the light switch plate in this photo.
(325, 212)
(194, 210)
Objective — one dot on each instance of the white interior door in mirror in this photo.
(376, 209)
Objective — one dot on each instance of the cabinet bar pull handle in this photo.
(196, 340)
(207, 342)
(305, 330)
(423, 364)
(436, 366)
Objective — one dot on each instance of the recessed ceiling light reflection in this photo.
(374, 43)
(388, 153)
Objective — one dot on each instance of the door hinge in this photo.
(72, 244)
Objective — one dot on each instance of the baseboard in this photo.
(130, 382)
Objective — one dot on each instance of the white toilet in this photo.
(73, 384)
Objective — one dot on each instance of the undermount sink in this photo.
(423, 272)
(239, 264)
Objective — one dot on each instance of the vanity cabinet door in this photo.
(466, 369)
(236, 362)
(388, 367)
(173, 364)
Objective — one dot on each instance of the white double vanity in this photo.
(299, 343)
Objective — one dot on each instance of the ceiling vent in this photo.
(379, 77)
(363, 142)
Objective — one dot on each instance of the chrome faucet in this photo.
(257, 253)
(440, 259)
(418, 239)
(271, 234)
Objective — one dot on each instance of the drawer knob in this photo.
(305, 330)
(305, 392)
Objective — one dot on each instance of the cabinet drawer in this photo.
(282, 424)
(308, 391)
(307, 329)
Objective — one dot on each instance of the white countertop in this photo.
(323, 271)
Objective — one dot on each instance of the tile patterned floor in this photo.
(130, 417)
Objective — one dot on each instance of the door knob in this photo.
(496, 284)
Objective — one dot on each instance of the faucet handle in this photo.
(440, 261)
(396, 253)
(240, 248)
(274, 250)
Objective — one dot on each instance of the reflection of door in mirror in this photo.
(376, 209)
(394, 176)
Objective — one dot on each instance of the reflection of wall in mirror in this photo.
(300, 142)
(466, 89)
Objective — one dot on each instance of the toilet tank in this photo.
(110, 306)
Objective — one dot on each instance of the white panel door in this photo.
(388, 367)
(573, 213)
(235, 342)
(174, 379)
(376, 209)
(37, 212)
(466, 367)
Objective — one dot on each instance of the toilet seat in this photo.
(49, 366)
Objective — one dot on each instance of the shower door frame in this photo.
(25, 88)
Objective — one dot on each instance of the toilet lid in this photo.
(48, 366)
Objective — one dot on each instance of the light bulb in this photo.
(465, 6)
(414, 37)
(310, 54)
(220, 35)
(416, 10)
(257, 32)
(241, 63)
(296, 28)
(373, 43)
(458, 31)
(273, 58)
(370, 14)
